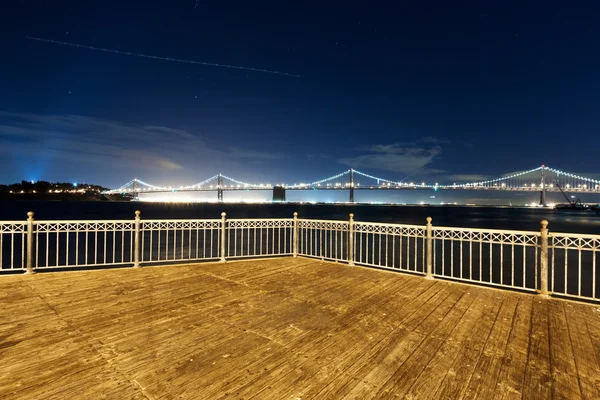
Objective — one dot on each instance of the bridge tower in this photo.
(135, 188)
(543, 191)
(351, 185)
(220, 187)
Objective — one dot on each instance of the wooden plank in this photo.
(347, 338)
(350, 366)
(514, 363)
(396, 376)
(562, 361)
(538, 378)
(483, 382)
(471, 345)
(586, 361)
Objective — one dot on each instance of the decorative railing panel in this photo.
(323, 239)
(259, 238)
(485, 256)
(82, 243)
(12, 245)
(574, 263)
(179, 240)
(392, 246)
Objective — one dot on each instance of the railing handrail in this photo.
(83, 221)
(574, 235)
(485, 230)
(260, 219)
(182, 220)
(335, 221)
(389, 224)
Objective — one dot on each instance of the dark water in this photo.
(476, 217)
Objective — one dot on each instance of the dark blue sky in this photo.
(446, 89)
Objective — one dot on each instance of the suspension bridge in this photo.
(540, 179)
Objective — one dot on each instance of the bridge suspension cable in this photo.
(243, 183)
(205, 181)
(374, 177)
(558, 172)
(491, 181)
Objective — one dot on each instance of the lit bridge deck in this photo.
(287, 329)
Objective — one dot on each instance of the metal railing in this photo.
(179, 240)
(564, 264)
(259, 237)
(486, 256)
(327, 240)
(574, 260)
(13, 235)
(61, 244)
(390, 246)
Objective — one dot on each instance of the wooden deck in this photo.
(287, 329)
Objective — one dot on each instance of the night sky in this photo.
(447, 91)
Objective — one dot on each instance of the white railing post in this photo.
(544, 259)
(136, 240)
(429, 250)
(223, 235)
(351, 240)
(295, 234)
(29, 243)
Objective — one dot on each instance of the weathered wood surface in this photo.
(287, 328)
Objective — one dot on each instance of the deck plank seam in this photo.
(512, 327)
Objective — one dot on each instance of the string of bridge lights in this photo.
(240, 184)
